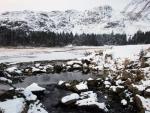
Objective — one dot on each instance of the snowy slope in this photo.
(104, 19)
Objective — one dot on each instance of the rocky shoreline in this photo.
(125, 82)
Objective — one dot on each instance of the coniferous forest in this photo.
(19, 37)
(140, 38)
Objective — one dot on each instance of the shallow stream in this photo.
(53, 94)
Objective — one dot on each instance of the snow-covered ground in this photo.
(40, 54)
(130, 51)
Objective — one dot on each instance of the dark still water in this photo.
(47, 79)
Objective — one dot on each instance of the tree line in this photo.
(140, 38)
(20, 37)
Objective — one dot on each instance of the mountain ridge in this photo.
(99, 20)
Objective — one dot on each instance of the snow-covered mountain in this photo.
(138, 9)
(104, 19)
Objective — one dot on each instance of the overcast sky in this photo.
(49, 5)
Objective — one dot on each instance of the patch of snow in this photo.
(113, 88)
(89, 94)
(105, 97)
(61, 82)
(89, 79)
(49, 66)
(124, 102)
(13, 106)
(107, 83)
(73, 62)
(29, 95)
(85, 65)
(67, 84)
(148, 90)
(18, 71)
(11, 69)
(76, 66)
(82, 86)
(34, 69)
(37, 64)
(119, 82)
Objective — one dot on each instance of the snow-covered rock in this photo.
(89, 79)
(34, 87)
(73, 62)
(124, 102)
(29, 95)
(35, 69)
(116, 88)
(82, 86)
(61, 82)
(5, 80)
(36, 107)
(13, 106)
(89, 98)
(11, 69)
(107, 84)
(70, 98)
